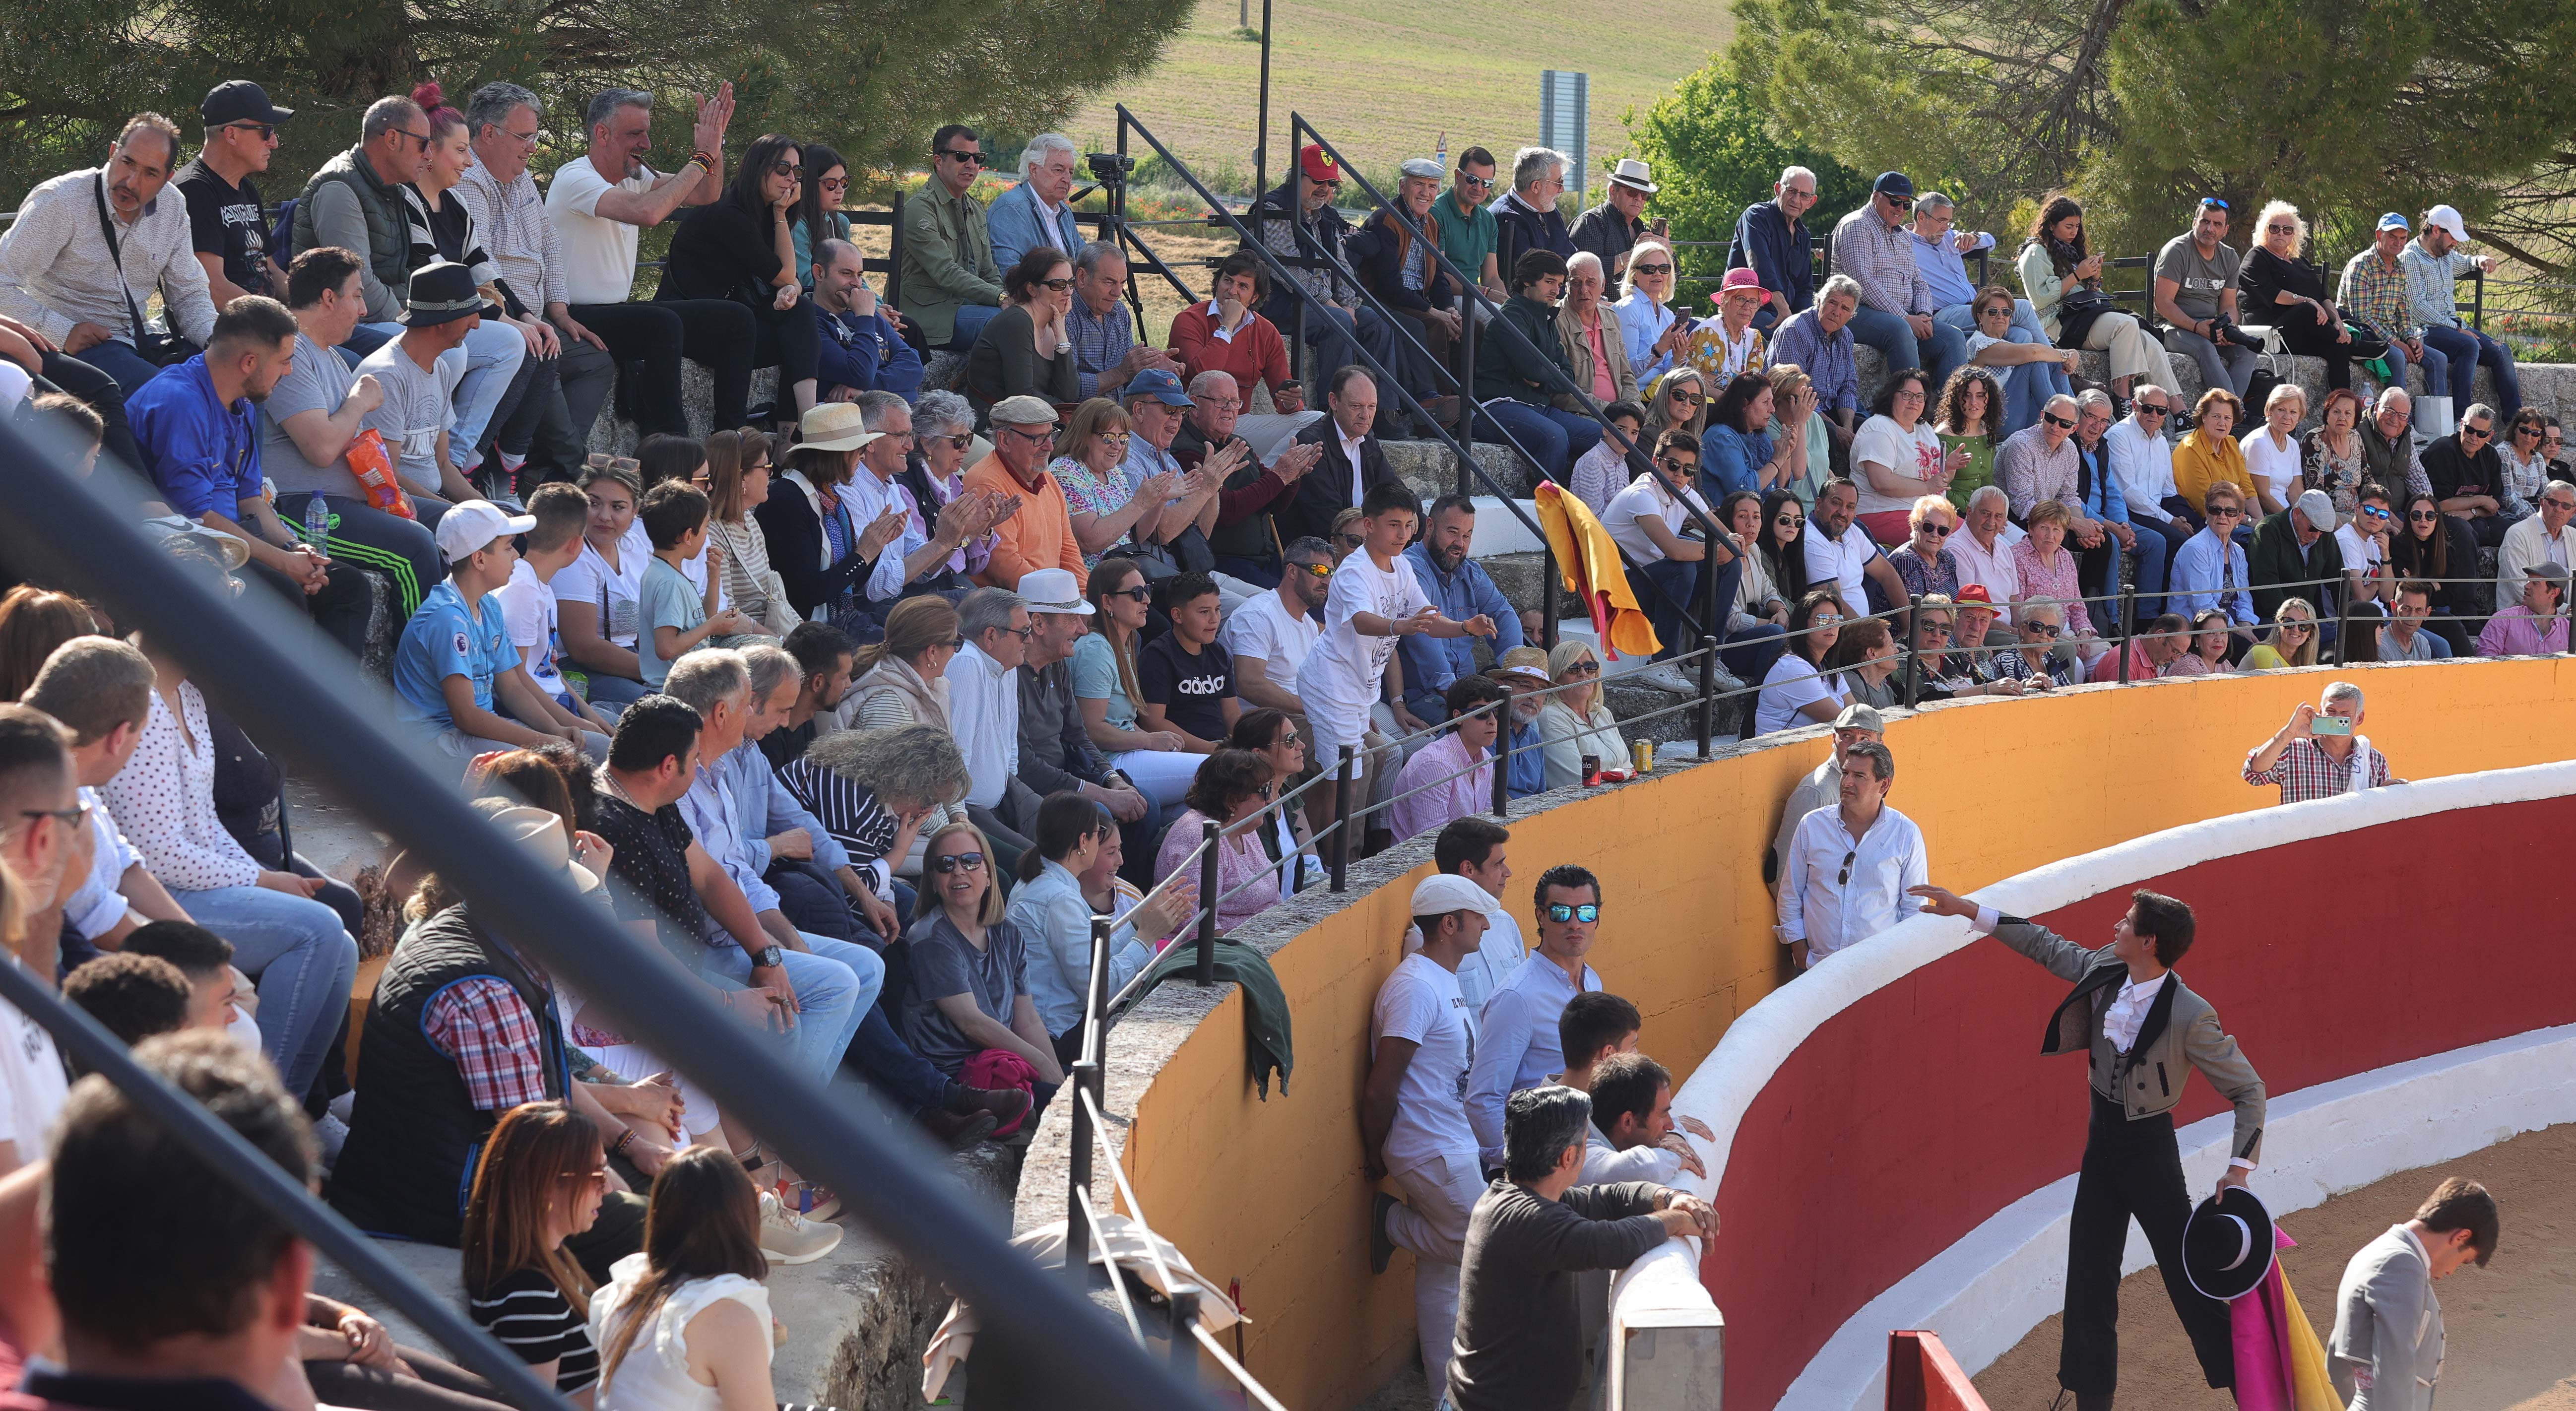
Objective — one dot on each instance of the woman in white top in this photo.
(1796, 693)
(2273, 455)
(1654, 332)
(1576, 722)
(684, 1325)
(595, 598)
(738, 471)
(1897, 457)
(2526, 465)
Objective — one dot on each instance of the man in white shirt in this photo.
(1849, 866)
(1841, 553)
(1272, 632)
(1516, 1034)
(1413, 1113)
(41, 803)
(1823, 786)
(100, 690)
(919, 552)
(2364, 541)
(984, 707)
(1473, 848)
(2542, 538)
(1984, 547)
(599, 204)
(2141, 459)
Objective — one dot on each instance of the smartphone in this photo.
(2330, 725)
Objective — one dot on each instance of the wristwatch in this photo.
(767, 957)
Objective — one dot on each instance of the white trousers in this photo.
(1439, 1194)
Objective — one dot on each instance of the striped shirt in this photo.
(526, 1313)
(848, 809)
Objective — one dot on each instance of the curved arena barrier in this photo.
(1893, 1152)
(1270, 1192)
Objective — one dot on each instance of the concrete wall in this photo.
(1271, 1192)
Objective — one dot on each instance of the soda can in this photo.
(1591, 770)
(1644, 750)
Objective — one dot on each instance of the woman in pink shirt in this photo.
(2047, 569)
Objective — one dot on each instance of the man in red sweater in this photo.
(1227, 334)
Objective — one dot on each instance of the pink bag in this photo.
(998, 1068)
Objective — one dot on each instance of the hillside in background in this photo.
(1382, 78)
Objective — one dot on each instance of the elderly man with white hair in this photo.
(1526, 216)
(1038, 211)
(1595, 348)
(1404, 273)
(1246, 539)
(2321, 752)
(2388, 453)
(1772, 240)
(1105, 351)
(1983, 546)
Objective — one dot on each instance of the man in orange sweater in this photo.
(1041, 534)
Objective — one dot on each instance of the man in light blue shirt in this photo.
(1516, 1043)
(1444, 565)
(1055, 922)
(1939, 257)
(817, 886)
(2209, 569)
(2433, 262)
(1037, 211)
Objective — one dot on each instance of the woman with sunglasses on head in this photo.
(2439, 549)
(1027, 350)
(542, 1177)
(1576, 722)
(2292, 640)
(1235, 788)
(1105, 686)
(970, 991)
(1971, 420)
(1653, 330)
(2205, 654)
(1797, 692)
(742, 246)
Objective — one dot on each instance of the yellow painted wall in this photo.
(1272, 1193)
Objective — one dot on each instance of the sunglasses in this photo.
(1058, 285)
(2152, 409)
(1825, 619)
(1314, 570)
(2368, 512)
(2526, 431)
(420, 137)
(1688, 399)
(2480, 432)
(2422, 516)
(1650, 269)
(957, 862)
(2547, 504)
(1843, 878)
(1584, 668)
(1023, 633)
(269, 130)
(2054, 419)
(1561, 913)
(2212, 203)
(1937, 531)
(2296, 626)
(72, 817)
(1042, 438)
(2227, 514)
(1313, 184)
(786, 169)
(1936, 629)
(1673, 466)
(1789, 521)
(963, 159)
(1138, 594)
(962, 439)
(1476, 183)
(2280, 230)
(1348, 541)
(2045, 629)
(834, 183)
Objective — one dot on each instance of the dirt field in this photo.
(2511, 1325)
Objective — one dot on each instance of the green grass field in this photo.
(1384, 79)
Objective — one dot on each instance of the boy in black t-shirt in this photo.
(1187, 679)
(228, 227)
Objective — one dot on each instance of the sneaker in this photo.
(1381, 1244)
(1665, 676)
(789, 1238)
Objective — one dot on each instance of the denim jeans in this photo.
(904, 1077)
(303, 960)
(2027, 386)
(1749, 654)
(835, 984)
(1554, 440)
(2157, 542)
(2465, 348)
(1893, 336)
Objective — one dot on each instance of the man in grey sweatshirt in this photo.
(1519, 1342)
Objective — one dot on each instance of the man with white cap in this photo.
(2433, 262)
(2374, 287)
(1056, 753)
(1413, 1113)
(2297, 547)
(1614, 227)
(455, 664)
(1847, 868)
(1823, 784)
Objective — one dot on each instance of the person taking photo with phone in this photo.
(2321, 752)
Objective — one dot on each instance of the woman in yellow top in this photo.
(2293, 640)
(2209, 454)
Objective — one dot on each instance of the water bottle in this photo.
(317, 523)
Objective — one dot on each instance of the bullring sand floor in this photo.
(2511, 1325)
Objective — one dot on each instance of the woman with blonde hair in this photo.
(2272, 450)
(1653, 330)
(1795, 423)
(738, 471)
(1576, 722)
(541, 1181)
(1090, 457)
(2277, 285)
(970, 987)
(2292, 640)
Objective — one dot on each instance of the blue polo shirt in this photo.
(446, 639)
(203, 455)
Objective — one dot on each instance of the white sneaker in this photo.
(789, 1238)
(1665, 676)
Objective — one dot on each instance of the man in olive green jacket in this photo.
(947, 282)
(2144, 1031)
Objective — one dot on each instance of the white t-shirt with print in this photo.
(1421, 1003)
(1340, 679)
(1916, 456)
(33, 1086)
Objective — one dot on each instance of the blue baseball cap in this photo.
(1894, 183)
(2394, 220)
(1162, 386)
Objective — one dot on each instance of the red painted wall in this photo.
(1914, 1115)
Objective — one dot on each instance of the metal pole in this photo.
(2128, 617)
(1503, 759)
(250, 1170)
(1549, 604)
(1914, 649)
(1342, 819)
(1707, 693)
(894, 255)
(52, 524)
(1185, 1346)
(1261, 120)
(1208, 844)
(1095, 995)
(2343, 625)
(1077, 1178)
(1467, 372)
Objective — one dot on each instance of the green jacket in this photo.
(1506, 369)
(947, 261)
(1265, 1004)
(2275, 559)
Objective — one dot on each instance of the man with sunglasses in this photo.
(2195, 292)
(2467, 475)
(2208, 571)
(355, 201)
(952, 286)
(1468, 233)
(226, 223)
(1516, 1037)
(2364, 542)
(1873, 246)
(1848, 867)
(2543, 538)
